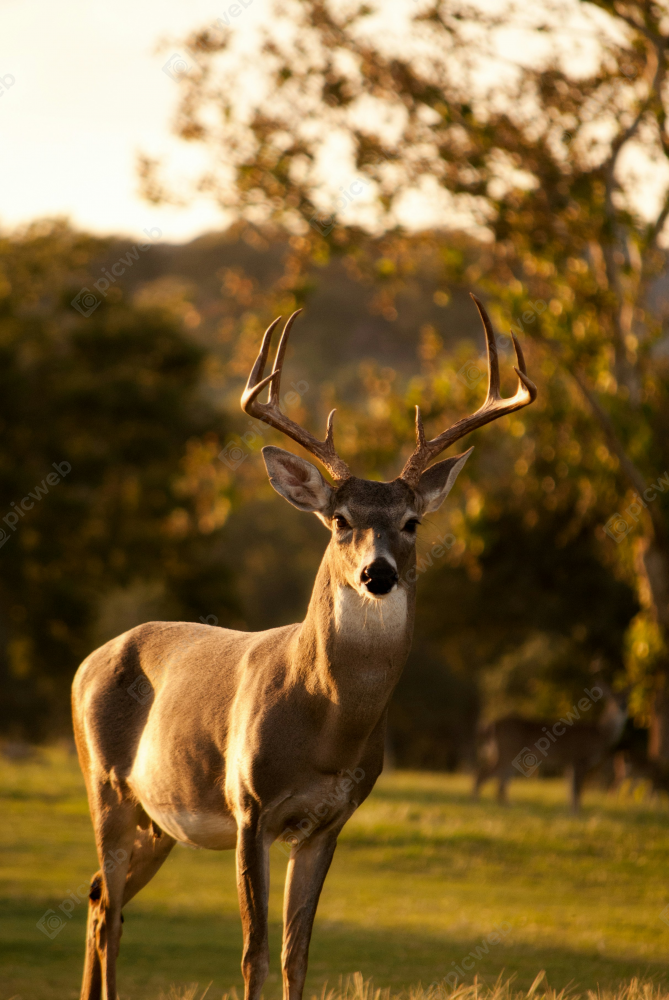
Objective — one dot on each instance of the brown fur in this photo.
(232, 738)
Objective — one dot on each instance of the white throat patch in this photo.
(355, 614)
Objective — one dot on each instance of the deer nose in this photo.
(379, 577)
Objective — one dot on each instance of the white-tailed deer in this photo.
(226, 739)
(513, 745)
(632, 765)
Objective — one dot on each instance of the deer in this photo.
(232, 740)
(522, 744)
(633, 766)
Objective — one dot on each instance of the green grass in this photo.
(421, 875)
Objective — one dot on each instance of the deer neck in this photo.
(352, 648)
(612, 721)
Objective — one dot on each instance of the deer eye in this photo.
(341, 522)
(411, 525)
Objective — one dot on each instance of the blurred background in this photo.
(372, 166)
(174, 177)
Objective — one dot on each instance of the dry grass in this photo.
(355, 987)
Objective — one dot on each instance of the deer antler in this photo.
(271, 413)
(493, 407)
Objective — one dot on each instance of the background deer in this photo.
(632, 765)
(513, 745)
(225, 739)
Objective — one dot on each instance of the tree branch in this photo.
(628, 467)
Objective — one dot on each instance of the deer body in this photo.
(248, 695)
(225, 739)
(579, 746)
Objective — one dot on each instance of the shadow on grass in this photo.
(159, 949)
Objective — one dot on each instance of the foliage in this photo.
(112, 402)
(645, 650)
(546, 155)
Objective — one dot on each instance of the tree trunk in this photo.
(652, 564)
(658, 735)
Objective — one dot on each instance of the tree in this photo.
(546, 161)
(107, 470)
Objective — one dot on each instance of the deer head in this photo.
(373, 524)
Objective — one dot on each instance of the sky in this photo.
(82, 92)
(85, 87)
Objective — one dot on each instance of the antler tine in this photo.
(494, 406)
(278, 361)
(491, 350)
(420, 430)
(521, 370)
(256, 383)
(329, 434)
(271, 414)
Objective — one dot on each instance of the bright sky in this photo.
(83, 91)
(89, 93)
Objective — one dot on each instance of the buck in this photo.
(225, 739)
(513, 745)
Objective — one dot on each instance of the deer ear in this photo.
(437, 482)
(297, 480)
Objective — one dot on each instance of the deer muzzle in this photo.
(379, 577)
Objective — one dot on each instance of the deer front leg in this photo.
(579, 773)
(307, 868)
(253, 890)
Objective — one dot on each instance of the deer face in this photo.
(373, 524)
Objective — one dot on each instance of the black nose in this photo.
(379, 577)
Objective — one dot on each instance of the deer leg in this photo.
(619, 771)
(483, 774)
(114, 823)
(148, 853)
(253, 889)
(578, 775)
(91, 985)
(503, 779)
(307, 868)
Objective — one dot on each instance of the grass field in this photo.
(422, 878)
